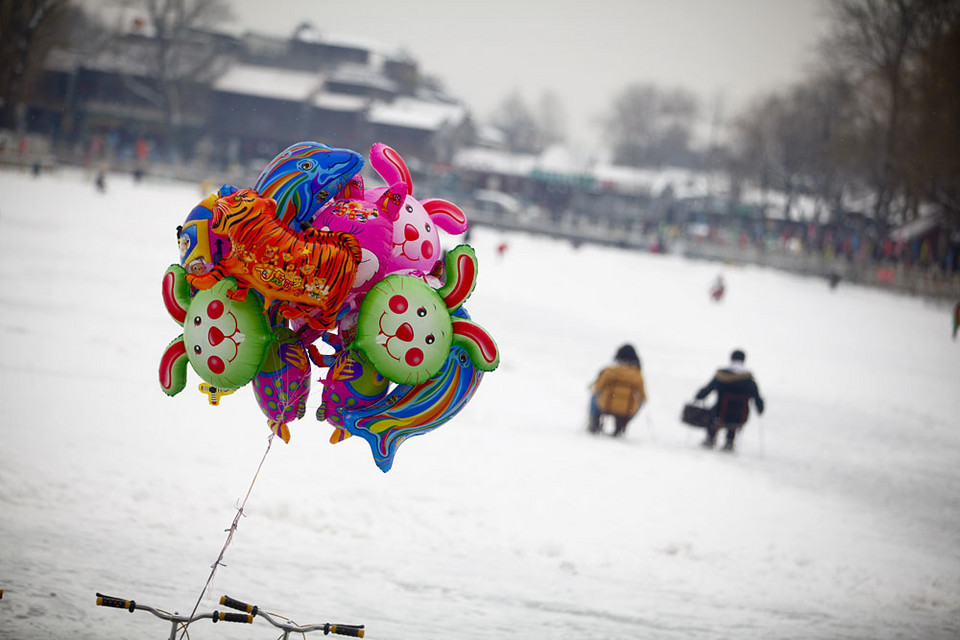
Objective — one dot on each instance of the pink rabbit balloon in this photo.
(416, 237)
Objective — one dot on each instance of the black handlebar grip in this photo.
(345, 630)
(227, 601)
(119, 603)
(236, 617)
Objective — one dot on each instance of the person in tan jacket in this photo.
(618, 391)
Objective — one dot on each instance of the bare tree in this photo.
(169, 45)
(28, 29)
(828, 101)
(519, 125)
(759, 152)
(879, 43)
(931, 166)
(799, 141)
(551, 120)
(647, 125)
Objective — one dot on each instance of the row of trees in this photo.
(878, 121)
(528, 129)
(646, 125)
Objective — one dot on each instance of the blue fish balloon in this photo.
(304, 177)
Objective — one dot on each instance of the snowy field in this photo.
(838, 517)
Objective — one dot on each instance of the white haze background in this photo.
(837, 518)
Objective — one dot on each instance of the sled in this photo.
(696, 415)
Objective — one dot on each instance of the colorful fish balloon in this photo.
(413, 410)
(304, 177)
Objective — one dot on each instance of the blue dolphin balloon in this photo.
(304, 177)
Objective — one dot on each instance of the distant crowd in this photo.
(929, 250)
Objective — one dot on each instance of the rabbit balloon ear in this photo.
(461, 270)
(173, 367)
(478, 344)
(353, 189)
(446, 215)
(390, 166)
(176, 292)
(392, 201)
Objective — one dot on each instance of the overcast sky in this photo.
(583, 50)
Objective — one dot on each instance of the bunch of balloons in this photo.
(310, 256)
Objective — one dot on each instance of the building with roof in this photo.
(245, 96)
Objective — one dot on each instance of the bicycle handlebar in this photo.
(131, 606)
(346, 630)
(235, 617)
(353, 631)
(227, 601)
(251, 611)
(119, 603)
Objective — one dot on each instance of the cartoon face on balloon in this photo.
(417, 223)
(214, 334)
(405, 328)
(408, 329)
(416, 240)
(224, 340)
(200, 248)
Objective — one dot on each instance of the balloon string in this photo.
(233, 528)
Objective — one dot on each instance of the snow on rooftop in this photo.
(363, 76)
(683, 183)
(340, 102)
(353, 42)
(373, 45)
(777, 206)
(411, 113)
(560, 159)
(268, 82)
(494, 161)
(630, 179)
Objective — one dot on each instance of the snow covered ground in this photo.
(839, 516)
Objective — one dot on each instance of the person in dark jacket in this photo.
(618, 391)
(735, 388)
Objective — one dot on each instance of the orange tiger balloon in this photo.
(308, 271)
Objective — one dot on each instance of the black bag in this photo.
(697, 415)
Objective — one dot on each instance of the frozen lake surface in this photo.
(838, 517)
